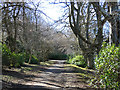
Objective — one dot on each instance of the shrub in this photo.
(34, 60)
(17, 59)
(6, 55)
(107, 66)
(57, 56)
(77, 60)
(11, 58)
(27, 56)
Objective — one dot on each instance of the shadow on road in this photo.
(55, 77)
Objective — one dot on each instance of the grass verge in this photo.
(84, 72)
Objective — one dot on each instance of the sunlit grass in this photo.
(47, 63)
(77, 67)
(80, 71)
(85, 75)
(31, 64)
(27, 68)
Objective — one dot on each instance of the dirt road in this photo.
(56, 76)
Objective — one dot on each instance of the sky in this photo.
(54, 11)
(50, 9)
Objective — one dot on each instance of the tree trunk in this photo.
(29, 59)
(118, 29)
(88, 54)
(90, 61)
(15, 36)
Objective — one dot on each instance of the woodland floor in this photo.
(56, 76)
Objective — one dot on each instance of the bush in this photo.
(17, 59)
(11, 58)
(57, 56)
(107, 66)
(6, 55)
(34, 60)
(27, 56)
(77, 60)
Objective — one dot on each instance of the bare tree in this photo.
(112, 15)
